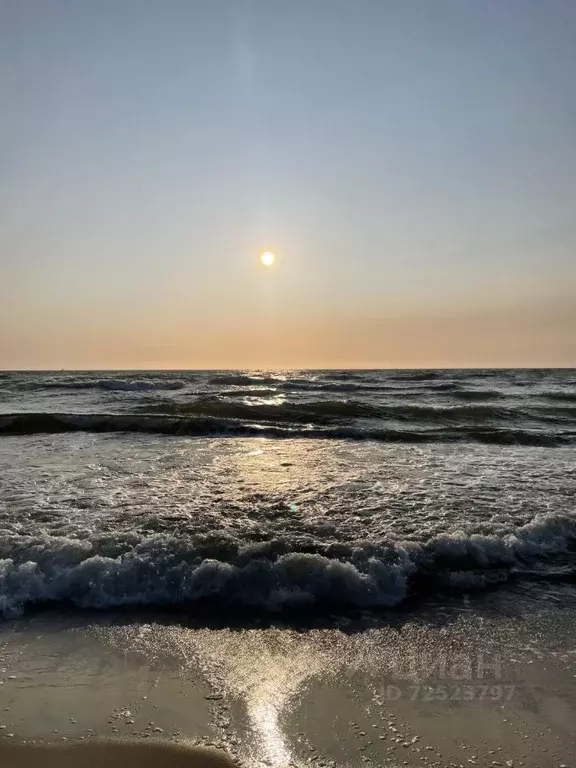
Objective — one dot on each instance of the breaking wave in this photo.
(168, 570)
(334, 411)
(206, 425)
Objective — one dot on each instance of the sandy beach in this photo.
(112, 754)
(453, 687)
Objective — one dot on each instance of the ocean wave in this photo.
(116, 385)
(565, 396)
(322, 411)
(197, 426)
(477, 394)
(317, 412)
(343, 411)
(242, 379)
(417, 374)
(101, 384)
(168, 570)
(305, 385)
(255, 391)
(353, 374)
(255, 383)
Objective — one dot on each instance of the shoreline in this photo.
(416, 692)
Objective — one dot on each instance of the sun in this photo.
(267, 258)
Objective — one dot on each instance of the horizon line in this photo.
(299, 368)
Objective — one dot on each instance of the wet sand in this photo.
(111, 755)
(453, 688)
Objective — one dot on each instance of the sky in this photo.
(412, 164)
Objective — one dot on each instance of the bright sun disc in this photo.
(267, 258)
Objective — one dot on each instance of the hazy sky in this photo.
(411, 162)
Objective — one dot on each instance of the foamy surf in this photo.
(282, 491)
(162, 570)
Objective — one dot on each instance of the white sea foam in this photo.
(163, 570)
(244, 523)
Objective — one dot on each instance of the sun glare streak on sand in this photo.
(268, 687)
(272, 695)
(265, 670)
(265, 720)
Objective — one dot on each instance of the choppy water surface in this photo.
(175, 488)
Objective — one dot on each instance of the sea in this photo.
(282, 492)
